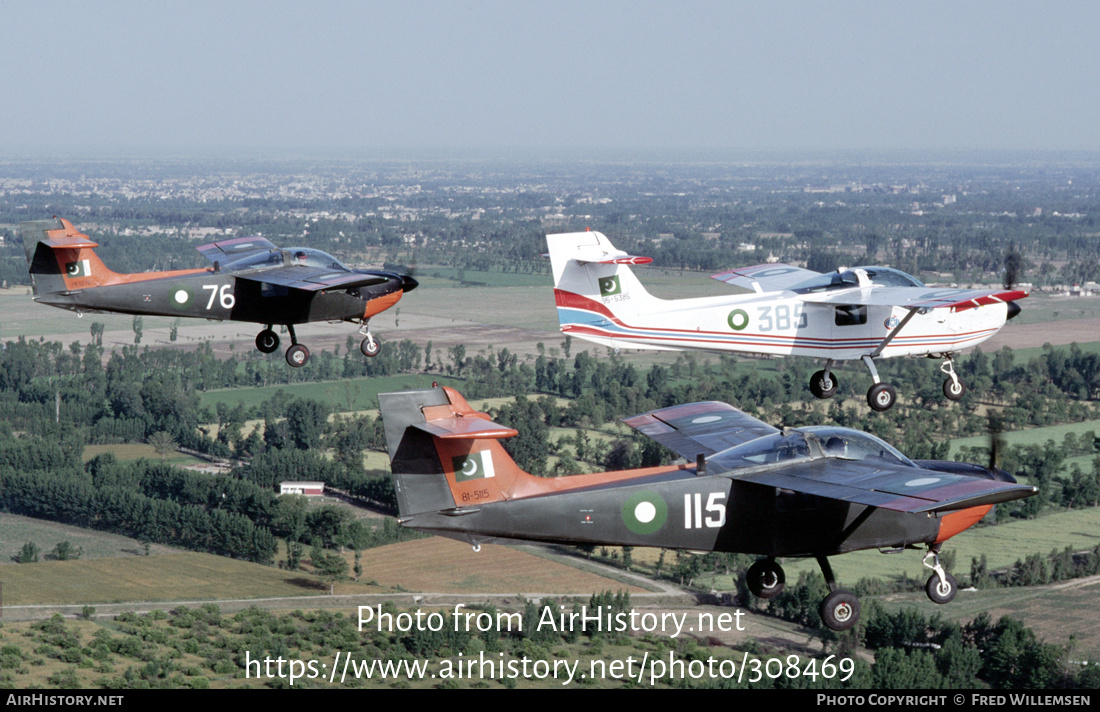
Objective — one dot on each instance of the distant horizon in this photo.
(576, 154)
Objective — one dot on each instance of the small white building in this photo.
(309, 489)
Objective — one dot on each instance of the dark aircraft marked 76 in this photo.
(747, 487)
(252, 280)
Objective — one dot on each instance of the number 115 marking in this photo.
(715, 510)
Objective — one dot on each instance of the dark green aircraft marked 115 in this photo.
(746, 487)
(251, 280)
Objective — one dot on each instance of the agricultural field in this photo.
(1030, 436)
(114, 569)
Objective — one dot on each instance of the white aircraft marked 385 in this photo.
(864, 313)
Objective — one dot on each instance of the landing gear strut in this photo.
(840, 609)
(297, 355)
(881, 396)
(953, 388)
(941, 586)
(368, 346)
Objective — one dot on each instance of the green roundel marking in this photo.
(180, 296)
(645, 512)
(738, 319)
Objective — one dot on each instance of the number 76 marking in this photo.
(224, 296)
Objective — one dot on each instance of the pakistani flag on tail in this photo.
(80, 268)
(475, 466)
(610, 286)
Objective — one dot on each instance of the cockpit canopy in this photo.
(304, 256)
(856, 277)
(810, 443)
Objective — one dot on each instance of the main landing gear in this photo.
(267, 341)
(882, 396)
(840, 609)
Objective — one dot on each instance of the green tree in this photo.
(28, 554)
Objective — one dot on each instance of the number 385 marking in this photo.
(224, 296)
(781, 317)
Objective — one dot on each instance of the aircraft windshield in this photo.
(889, 277)
(793, 446)
(267, 258)
(827, 282)
(882, 276)
(768, 450)
(313, 258)
(850, 444)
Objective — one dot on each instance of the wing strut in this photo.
(890, 337)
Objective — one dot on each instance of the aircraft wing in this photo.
(228, 251)
(314, 279)
(916, 297)
(766, 278)
(707, 427)
(879, 483)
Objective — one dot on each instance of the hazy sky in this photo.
(284, 76)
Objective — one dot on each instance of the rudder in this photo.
(443, 453)
(61, 258)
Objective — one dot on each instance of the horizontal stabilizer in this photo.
(466, 429)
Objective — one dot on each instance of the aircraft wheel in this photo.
(941, 592)
(267, 341)
(823, 385)
(881, 396)
(952, 390)
(370, 347)
(765, 579)
(840, 610)
(297, 355)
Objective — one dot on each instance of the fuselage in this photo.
(777, 324)
(210, 294)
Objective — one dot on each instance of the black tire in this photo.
(941, 592)
(840, 610)
(823, 386)
(297, 355)
(365, 347)
(267, 341)
(765, 579)
(881, 397)
(953, 391)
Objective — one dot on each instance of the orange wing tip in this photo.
(956, 522)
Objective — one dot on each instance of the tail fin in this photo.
(594, 285)
(447, 458)
(61, 258)
(444, 454)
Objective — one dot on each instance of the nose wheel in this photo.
(368, 346)
(953, 388)
(941, 586)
